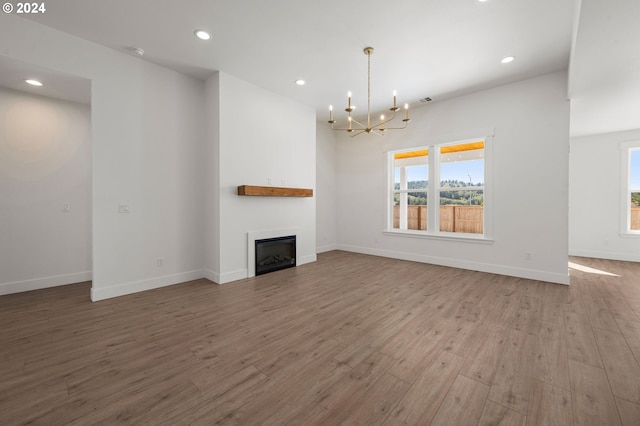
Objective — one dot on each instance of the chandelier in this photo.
(355, 127)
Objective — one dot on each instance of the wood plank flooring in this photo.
(350, 339)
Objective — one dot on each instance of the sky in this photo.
(635, 169)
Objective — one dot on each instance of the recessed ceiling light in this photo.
(507, 59)
(300, 82)
(482, 1)
(202, 34)
(33, 82)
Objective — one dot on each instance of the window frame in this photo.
(433, 194)
(625, 188)
(406, 192)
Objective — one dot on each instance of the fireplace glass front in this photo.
(273, 254)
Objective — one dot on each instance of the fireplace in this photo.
(273, 254)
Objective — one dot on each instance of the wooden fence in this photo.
(635, 218)
(467, 219)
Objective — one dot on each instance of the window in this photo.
(462, 200)
(410, 190)
(634, 189)
(631, 187)
(439, 190)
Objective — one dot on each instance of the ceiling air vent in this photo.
(424, 100)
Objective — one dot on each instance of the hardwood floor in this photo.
(350, 339)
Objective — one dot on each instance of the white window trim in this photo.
(625, 189)
(433, 220)
(446, 236)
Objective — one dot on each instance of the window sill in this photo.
(443, 236)
(630, 234)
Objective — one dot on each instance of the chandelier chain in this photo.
(369, 90)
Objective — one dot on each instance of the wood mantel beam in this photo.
(274, 191)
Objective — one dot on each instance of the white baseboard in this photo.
(306, 259)
(241, 274)
(101, 293)
(212, 276)
(45, 282)
(464, 264)
(228, 277)
(627, 257)
(326, 248)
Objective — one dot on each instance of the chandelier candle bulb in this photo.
(330, 113)
(394, 98)
(406, 111)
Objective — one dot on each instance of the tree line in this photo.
(460, 197)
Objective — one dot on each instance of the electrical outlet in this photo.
(160, 262)
(527, 256)
(66, 207)
(268, 181)
(123, 208)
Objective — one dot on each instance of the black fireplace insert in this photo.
(273, 254)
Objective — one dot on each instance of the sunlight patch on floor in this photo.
(589, 270)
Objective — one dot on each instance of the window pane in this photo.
(396, 210)
(468, 218)
(416, 217)
(462, 188)
(635, 211)
(634, 170)
(461, 169)
(634, 189)
(418, 177)
(411, 175)
(469, 196)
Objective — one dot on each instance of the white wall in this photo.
(594, 202)
(263, 136)
(326, 188)
(530, 175)
(211, 194)
(45, 163)
(173, 150)
(147, 144)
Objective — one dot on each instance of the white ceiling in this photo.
(605, 68)
(13, 74)
(435, 48)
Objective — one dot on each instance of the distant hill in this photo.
(456, 197)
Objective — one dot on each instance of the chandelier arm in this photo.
(356, 134)
(385, 121)
(397, 128)
(353, 120)
(340, 128)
